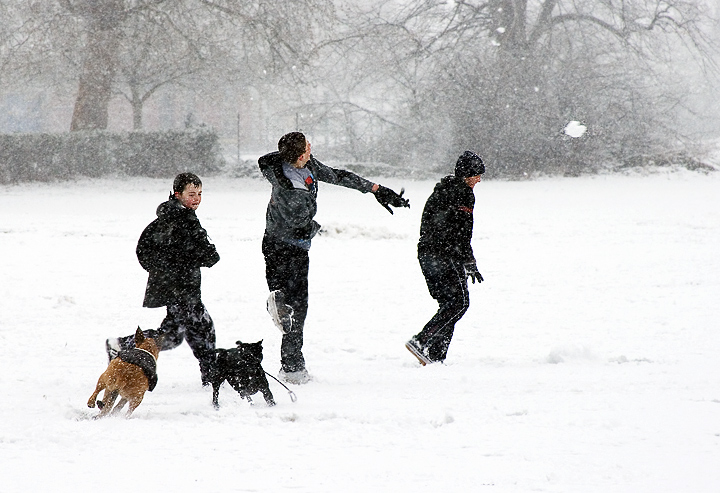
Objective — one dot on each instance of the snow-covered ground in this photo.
(588, 361)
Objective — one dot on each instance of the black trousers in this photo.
(184, 322)
(447, 284)
(286, 269)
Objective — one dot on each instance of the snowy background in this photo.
(588, 361)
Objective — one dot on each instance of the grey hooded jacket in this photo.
(292, 206)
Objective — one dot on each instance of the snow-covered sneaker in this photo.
(112, 348)
(280, 313)
(295, 377)
(414, 347)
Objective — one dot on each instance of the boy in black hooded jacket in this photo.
(172, 249)
(446, 256)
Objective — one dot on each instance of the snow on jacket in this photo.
(172, 249)
(293, 203)
(447, 221)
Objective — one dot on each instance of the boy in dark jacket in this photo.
(289, 228)
(172, 249)
(446, 257)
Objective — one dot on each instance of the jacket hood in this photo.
(271, 166)
(451, 181)
(170, 207)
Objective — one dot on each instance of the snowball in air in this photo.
(575, 129)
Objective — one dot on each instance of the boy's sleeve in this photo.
(340, 177)
(463, 231)
(210, 255)
(206, 254)
(271, 167)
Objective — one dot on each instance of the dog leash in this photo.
(293, 397)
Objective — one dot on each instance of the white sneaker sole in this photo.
(424, 360)
(273, 311)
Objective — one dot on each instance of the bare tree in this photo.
(160, 47)
(560, 61)
(7, 44)
(24, 43)
(370, 70)
(101, 27)
(277, 51)
(507, 75)
(148, 44)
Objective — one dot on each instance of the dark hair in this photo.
(292, 146)
(184, 179)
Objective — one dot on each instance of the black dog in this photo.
(241, 368)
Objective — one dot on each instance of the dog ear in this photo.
(139, 337)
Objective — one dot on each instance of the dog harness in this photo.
(145, 361)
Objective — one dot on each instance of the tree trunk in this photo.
(96, 79)
(137, 108)
(137, 104)
(511, 18)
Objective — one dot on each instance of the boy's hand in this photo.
(387, 197)
(471, 271)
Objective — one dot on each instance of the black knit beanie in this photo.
(469, 164)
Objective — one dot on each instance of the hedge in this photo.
(49, 157)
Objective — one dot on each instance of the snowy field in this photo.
(589, 360)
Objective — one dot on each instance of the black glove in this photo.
(472, 272)
(387, 197)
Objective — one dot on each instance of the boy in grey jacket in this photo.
(289, 228)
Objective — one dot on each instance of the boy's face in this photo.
(190, 197)
(305, 157)
(472, 181)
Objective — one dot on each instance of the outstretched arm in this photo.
(340, 177)
(385, 196)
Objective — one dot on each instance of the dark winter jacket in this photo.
(292, 206)
(447, 221)
(145, 361)
(172, 249)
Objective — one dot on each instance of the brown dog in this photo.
(129, 375)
